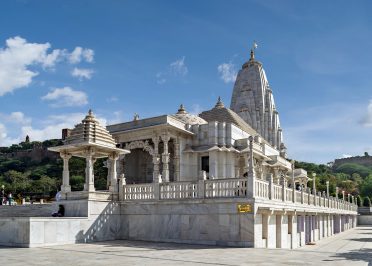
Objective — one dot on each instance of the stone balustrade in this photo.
(301, 197)
(230, 188)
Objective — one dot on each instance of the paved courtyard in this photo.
(353, 247)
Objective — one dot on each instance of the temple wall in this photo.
(212, 222)
(365, 219)
(208, 221)
(102, 223)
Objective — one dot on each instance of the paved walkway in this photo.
(353, 247)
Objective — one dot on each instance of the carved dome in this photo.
(187, 118)
(90, 131)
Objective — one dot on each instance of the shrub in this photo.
(366, 202)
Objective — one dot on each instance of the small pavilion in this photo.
(91, 141)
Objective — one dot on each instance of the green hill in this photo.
(24, 176)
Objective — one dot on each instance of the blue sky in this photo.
(58, 59)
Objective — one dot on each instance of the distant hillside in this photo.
(365, 160)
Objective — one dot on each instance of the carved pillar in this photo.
(165, 157)
(113, 174)
(246, 164)
(155, 159)
(271, 187)
(293, 182)
(327, 183)
(176, 159)
(66, 173)
(284, 186)
(251, 173)
(89, 171)
(276, 175)
(314, 185)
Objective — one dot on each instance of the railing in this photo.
(271, 191)
(226, 188)
(277, 192)
(139, 192)
(230, 188)
(262, 189)
(179, 190)
(288, 194)
(298, 196)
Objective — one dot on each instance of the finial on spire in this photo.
(90, 112)
(254, 47)
(219, 103)
(136, 117)
(182, 110)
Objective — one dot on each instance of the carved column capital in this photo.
(155, 139)
(65, 155)
(114, 156)
(165, 137)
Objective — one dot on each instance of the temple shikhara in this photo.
(221, 177)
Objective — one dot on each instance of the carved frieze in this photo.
(138, 144)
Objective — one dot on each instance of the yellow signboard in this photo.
(243, 208)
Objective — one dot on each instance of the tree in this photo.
(77, 182)
(359, 201)
(19, 182)
(366, 154)
(367, 202)
(45, 185)
(366, 186)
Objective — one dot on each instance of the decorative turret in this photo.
(219, 103)
(182, 110)
(252, 100)
(189, 119)
(90, 131)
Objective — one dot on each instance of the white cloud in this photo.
(16, 58)
(46, 128)
(52, 126)
(82, 73)
(62, 97)
(79, 54)
(19, 117)
(160, 78)
(196, 109)
(112, 99)
(323, 133)
(15, 118)
(116, 118)
(367, 120)
(227, 72)
(179, 67)
(5, 140)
